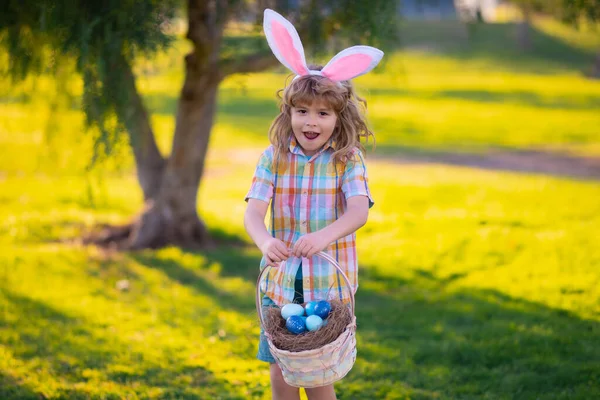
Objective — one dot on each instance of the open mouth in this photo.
(311, 135)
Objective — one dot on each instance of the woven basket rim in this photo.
(350, 328)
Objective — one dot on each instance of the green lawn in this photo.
(473, 284)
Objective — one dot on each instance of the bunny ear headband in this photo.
(286, 45)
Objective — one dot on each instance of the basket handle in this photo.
(321, 254)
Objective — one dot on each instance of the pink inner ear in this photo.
(348, 67)
(285, 45)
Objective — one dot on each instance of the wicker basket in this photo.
(322, 366)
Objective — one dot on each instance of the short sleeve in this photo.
(355, 181)
(262, 182)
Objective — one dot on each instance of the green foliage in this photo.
(105, 37)
(88, 30)
(351, 22)
(574, 11)
(571, 11)
(102, 36)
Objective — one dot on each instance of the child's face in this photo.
(313, 125)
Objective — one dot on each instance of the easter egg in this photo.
(310, 307)
(295, 324)
(322, 309)
(291, 309)
(313, 322)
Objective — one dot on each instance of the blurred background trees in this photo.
(105, 37)
(574, 12)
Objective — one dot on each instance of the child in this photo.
(313, 176)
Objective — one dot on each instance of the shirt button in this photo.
(304, 223)
(305, 192)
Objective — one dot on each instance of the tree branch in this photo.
(252, 63)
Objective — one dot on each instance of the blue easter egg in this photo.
(313, 322)
(322, 309)
(295, 324)
(291, 309)
(310, 307)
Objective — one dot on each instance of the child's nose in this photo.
(312, 121)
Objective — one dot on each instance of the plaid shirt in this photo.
(310, 195)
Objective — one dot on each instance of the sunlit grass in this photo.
(473, 284)
(458, 266)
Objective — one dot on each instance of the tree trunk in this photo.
(524, 30)
(596, 68)
(171, 187)
(172, 217)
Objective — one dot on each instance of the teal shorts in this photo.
(264, 354)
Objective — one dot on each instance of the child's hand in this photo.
(310, 244)
(274, 251)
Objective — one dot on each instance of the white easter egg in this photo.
(313, 322)
(291, 309)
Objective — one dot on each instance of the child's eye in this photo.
(323, 113)
(302, 111)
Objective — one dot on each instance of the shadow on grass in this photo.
(579, 102)
(232, 103)
(519, 97)
(418, 338)
(525, 161)
(470, 343)
(66, 349)
(496, 44)
(232, 264)
(11, 388)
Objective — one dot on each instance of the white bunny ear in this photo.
(352, 62)
(284, 42)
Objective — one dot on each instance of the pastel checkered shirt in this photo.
(310, 195)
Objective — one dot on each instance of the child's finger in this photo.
(301, 249)
(306, 251)
(268, 260)
(271, 262)
(273, 256)
(282, 256)
(281, 251)
(296, 248)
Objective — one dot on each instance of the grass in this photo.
(474, 284)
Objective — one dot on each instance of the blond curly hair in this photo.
(351, 125)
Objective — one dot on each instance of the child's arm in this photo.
(355, 217)
(274, 250)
